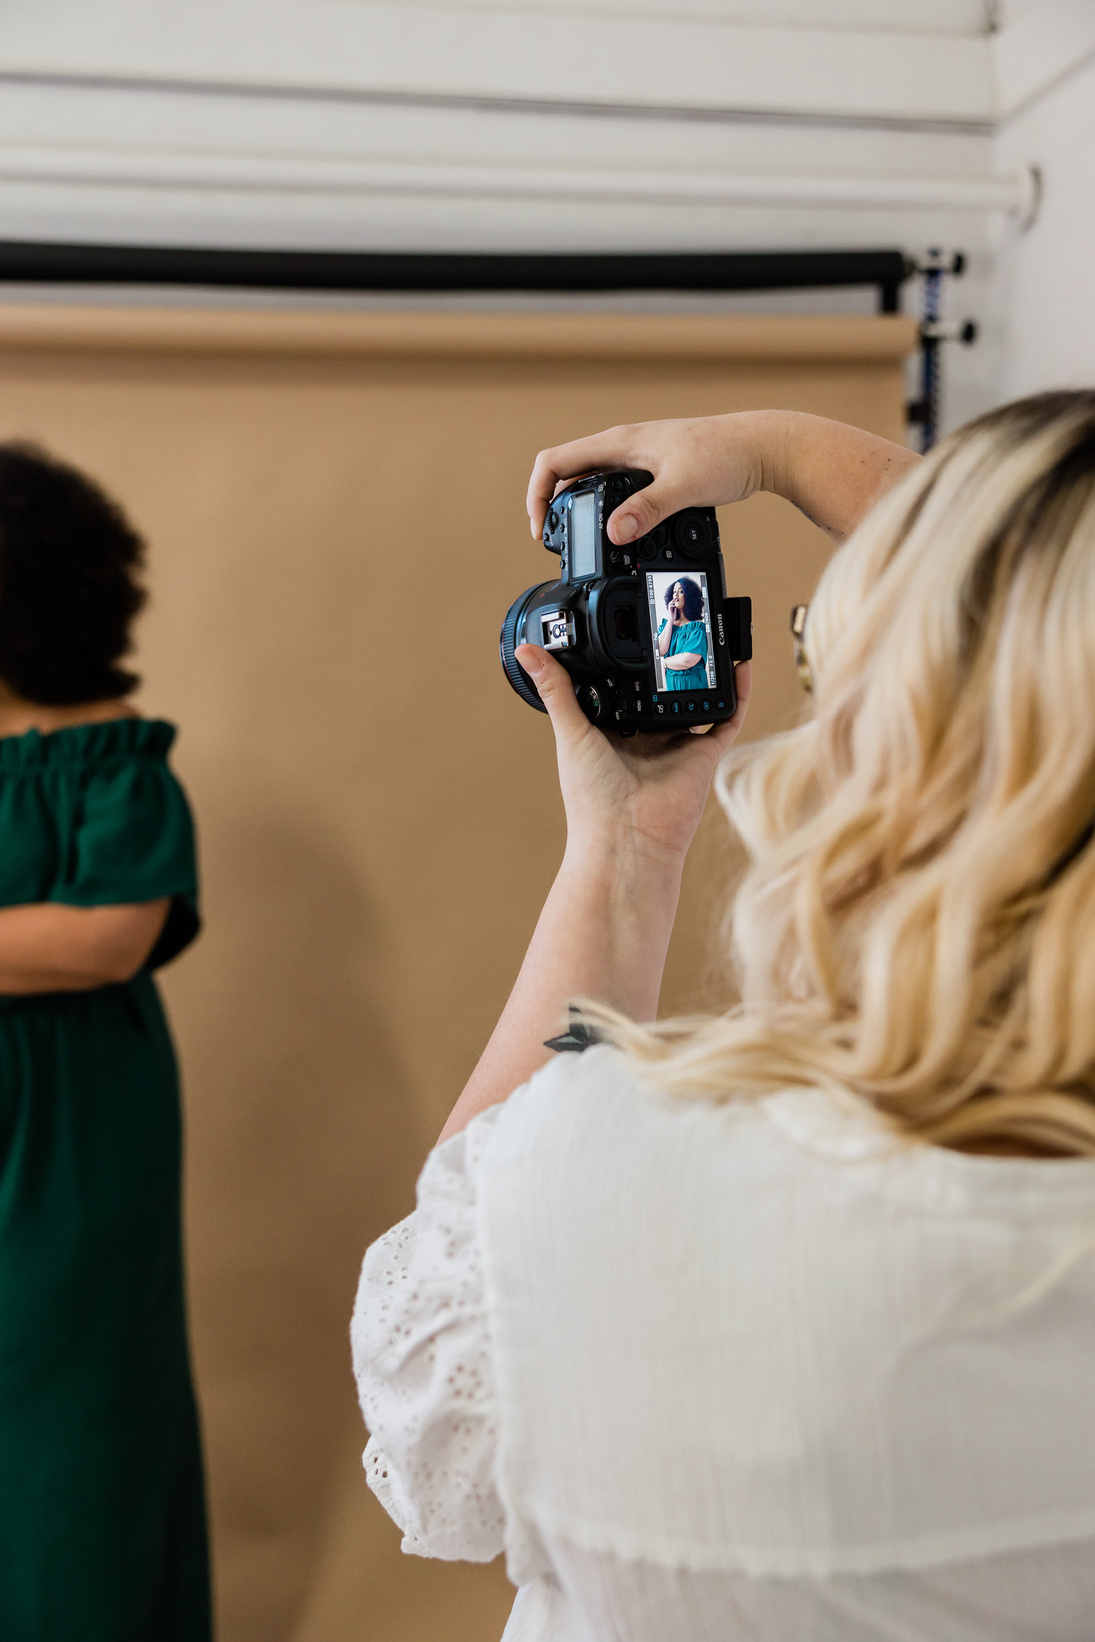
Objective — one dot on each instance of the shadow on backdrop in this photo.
(302, 1148)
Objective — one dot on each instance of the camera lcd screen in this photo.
(680, 624)
(583, 535)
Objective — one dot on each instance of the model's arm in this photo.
(47, 947)
(830, 471)
(632, 810)
(683, 659)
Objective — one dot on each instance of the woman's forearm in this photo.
(831, 472)
(632, 812)
(50, 947)
(603, 933)
(683, 660)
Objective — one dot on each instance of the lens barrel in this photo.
(513, 635)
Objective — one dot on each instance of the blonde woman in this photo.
(781, 1323)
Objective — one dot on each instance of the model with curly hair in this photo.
(682, 637)
(102, 1518)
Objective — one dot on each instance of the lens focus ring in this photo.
(508, 643)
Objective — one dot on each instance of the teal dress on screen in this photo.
(689, 636)
(102, 1515)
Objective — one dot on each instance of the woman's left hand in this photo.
(647, 792)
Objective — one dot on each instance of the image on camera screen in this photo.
(680, 622)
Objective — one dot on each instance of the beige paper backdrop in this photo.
(334, 506)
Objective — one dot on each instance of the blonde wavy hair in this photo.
(917, 921)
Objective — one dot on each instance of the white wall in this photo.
(516, 124)
(1045, 293)
(478, 123)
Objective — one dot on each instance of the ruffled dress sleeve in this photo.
(130, 830)
(424, 1367)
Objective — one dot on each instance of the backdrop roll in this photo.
(334, 507)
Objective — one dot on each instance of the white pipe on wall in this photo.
(1015, 195)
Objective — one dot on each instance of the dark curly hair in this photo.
(693, 597)
(69, 587)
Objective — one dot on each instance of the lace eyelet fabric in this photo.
(744, 1369)
(423, 1363)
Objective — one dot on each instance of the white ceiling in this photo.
(638, 54)
(898, 16)
(576, 124)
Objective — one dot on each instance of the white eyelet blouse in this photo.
(743, 1371)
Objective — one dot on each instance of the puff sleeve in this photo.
(423, 1362)
(131, 834)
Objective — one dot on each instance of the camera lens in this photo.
(692, 534)
(513, 634)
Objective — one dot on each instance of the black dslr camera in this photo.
(645, 631)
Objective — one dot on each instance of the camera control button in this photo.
(691, 706)
(589, 701)
(691, 534)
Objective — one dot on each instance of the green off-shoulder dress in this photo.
(102, 1518)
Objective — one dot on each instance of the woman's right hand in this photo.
(632, 808)
(633, 799)
(700, 461)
